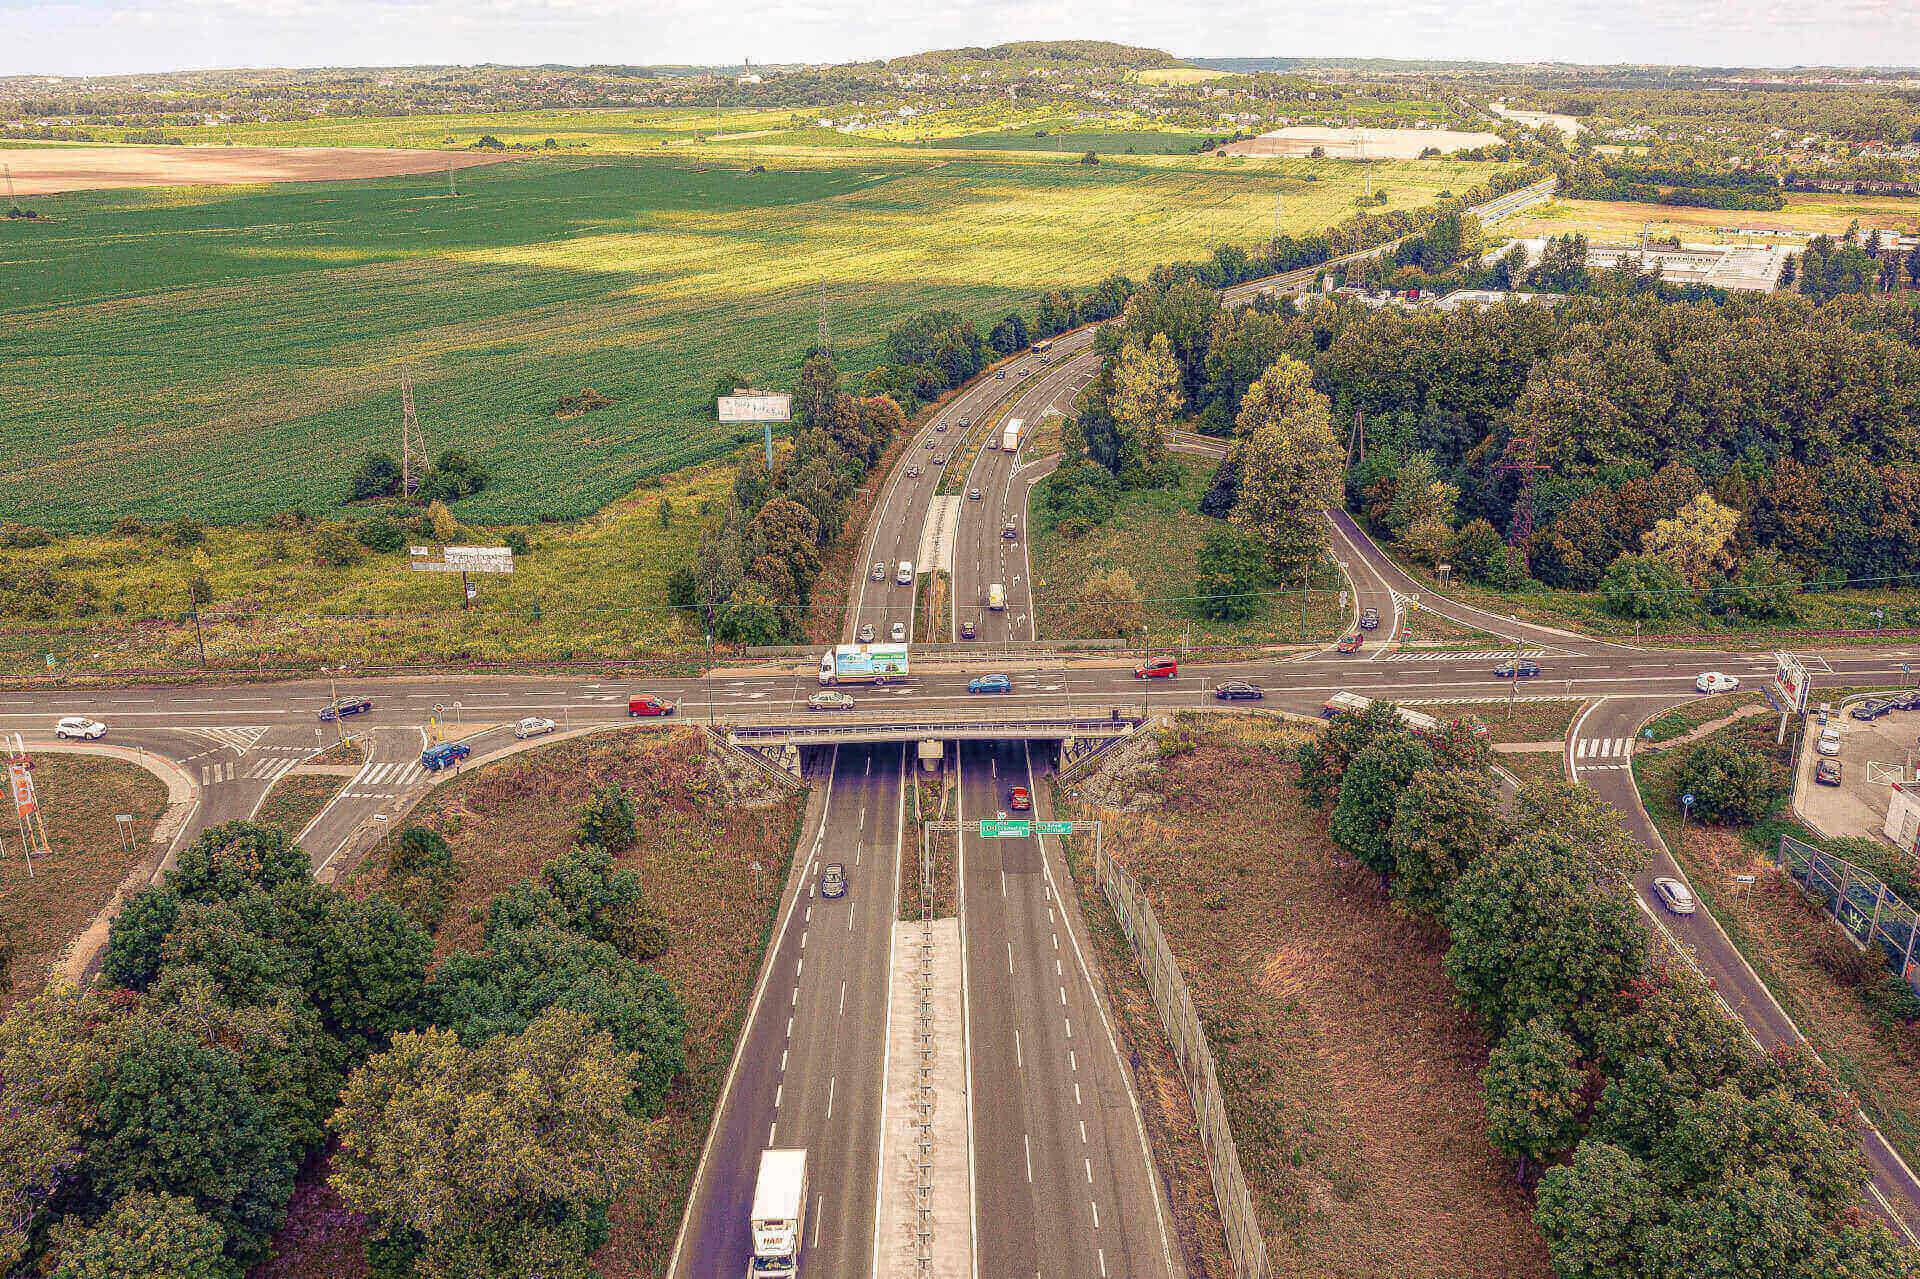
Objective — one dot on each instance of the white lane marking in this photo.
(817, 1201)
(1028, 1143)
(831, 1080)
(843, 999)
(1096, 1214)
(1087, 1162)
(1009, 957)
(1019, 1061)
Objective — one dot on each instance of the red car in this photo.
(1018, 800)
(1349, 644)
(648, 704)
(1157, 668)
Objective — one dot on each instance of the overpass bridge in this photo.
(1081, 724)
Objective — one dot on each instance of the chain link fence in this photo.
(1245, 1244)
(1858, 901)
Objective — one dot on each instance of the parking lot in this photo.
(1872, 756)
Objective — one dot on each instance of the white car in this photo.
(1674, 895)
(79, 726)
(829, 701)
(1829, 742)
(533, 726)
(899, 632)
(1716, 682)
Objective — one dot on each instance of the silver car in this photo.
(534, 726)
(828, 700)
(866, 632)
(1675, 896)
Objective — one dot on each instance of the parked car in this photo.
(973, 495)
(80, 728)
(1164, 666)
(828, 700)
(1674, 895)
(534, 726)
(833, 880)
(1827, 772)
(1369, 618)
(443, 755)
(967, 629)
(878, 573)
(990, 684)
(1871, 709)
(342, 707)
(898, 632)
(1716, 682)
(648, 704)
(1522, 669)
(1348, 644)
(1238, 690)
(1828, 743)
(1907, 701)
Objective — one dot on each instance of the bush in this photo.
(377, 476)
(420, 875)
(607, 820)
(515, 540)
(23, 536)
(1730, 784)
(1642, 587)
(333, 548)
(380, 534)
(185, 532)
(235, 858)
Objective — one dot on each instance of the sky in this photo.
(101, 37)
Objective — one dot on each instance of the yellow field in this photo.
(1807, 215)
(1181, 75)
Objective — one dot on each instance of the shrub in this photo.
(1730, 785)
(334, 548)
(1642, 587)
(420, 875)
(377, 476)
(185, 532)
(380, 534)
(515, 540)
(607, 820)
(234, 858)
(23, 536)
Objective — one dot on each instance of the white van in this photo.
(904, 574)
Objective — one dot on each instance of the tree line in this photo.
(1658, 1139)
(483, 1114)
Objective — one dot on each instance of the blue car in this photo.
(990, 684)
(344, 707)
(444, 755)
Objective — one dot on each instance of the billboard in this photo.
(754, 407)
(1790, 682)
(24, 800)
(463, 559)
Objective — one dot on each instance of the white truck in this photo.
(996, 597)
(1010, 435)
(863, 663)
(779, 1219)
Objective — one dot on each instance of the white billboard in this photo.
(464, 559)
(1790, 682)
(756, 408)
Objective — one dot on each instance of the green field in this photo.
(228, 353)
(1130, 142)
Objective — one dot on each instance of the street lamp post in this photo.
(709, 679)
(333, 700)
(1879, 615)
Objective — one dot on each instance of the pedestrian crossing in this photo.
(1602, 754)
(383, 780)
(268, 768)
(240, 739)
(1494, 655)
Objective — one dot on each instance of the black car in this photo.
(1238, 690)
(344, 707)
(967, 629)
(1522, 669)
(1369, 619)
(1905, 701)
(1827, 772)
(1871, 709)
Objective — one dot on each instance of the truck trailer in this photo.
(863, 663)
(779, 1220)
(1010, 435)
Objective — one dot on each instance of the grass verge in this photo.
(81, 797)
(1525, 721)
(1682, 720)
(297, 799)
(1351, 1076)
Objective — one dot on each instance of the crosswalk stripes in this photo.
(383, 780)
(240, 739)
(1495, 655)
(1602, 754)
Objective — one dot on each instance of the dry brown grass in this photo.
(80, 796)
(1352, 1078)
(1544, 766)
(1523, 721)
(44, 170)
(696, 854)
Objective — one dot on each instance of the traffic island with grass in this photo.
(296, 799)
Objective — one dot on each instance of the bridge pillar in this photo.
(931, 752)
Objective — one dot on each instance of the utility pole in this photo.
(1522, 461)
(199, 640)
(413, 453)
(1357, 441)
(825, 344)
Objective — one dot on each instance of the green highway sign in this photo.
(1056, 828)
(1018, 828)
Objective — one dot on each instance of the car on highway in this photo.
(1674, 895)
(993, 442)
(443, 755)
(1009, 532)
(967, 629)
(1348, 644)
(828, 700)
(877, 573)
(973, 495)
(1165, 666)
(1369, 619)
(929, 443)
(833, 880)
(80, 728)
(1827, 772)
(897, 632)
(866, 633)
(1716, 682)
(534, 726)
(990, 684)
(1521, 669)
(913, 472)
(341, 707)
(939, 426)
(903, 576)
(1238, 690)
(965, 422)
(1828, 743)
(939, 459)
(648, 704)
(1001, 374)
(1018, 800)
(1871, 709)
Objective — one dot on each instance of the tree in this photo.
(1146, 397)
(1643, 587)
(237, 857)
(453, 475)
(154, 1236)
(495, 1153)
(50, 1059)
(1232, 576)
(334, 547)
(1370, 788)
(1533, 1084)
(1596, 1213)
(1422, 501)
(1761, 588)
(1290, 469)
(1009, 334)
(132, 957)
(1477, 549)
(1694, 541)
(377, 476)
(818, 388)
(1575, 815)
(1055, 313)
(1110, 604)
(585, 890)
(1444, 821)
(420, 874)
(1325, 759)
(1730, 785)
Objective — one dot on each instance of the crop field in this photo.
(1806, 215)
(1119, 142)
(229, 353)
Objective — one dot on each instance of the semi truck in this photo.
(863, 663)
(779, 1219)
(996, 597)
(1010, 436)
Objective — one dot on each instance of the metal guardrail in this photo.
(1858, 901)
(1112, 721)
